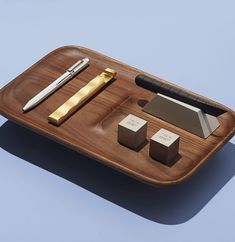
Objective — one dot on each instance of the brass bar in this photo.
(73, 103)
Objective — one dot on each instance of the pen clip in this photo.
(73, 70)
(76, 66)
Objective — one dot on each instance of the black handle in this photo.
(165, 89)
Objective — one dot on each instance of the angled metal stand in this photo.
(182, 115)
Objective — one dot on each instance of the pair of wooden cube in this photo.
(132, 132)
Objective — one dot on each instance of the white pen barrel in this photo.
(72, 71)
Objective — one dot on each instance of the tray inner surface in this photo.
(92, 130)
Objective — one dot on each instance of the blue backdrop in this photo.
(49, 193)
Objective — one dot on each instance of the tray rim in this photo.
(39, 130)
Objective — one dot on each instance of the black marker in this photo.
(165, 89)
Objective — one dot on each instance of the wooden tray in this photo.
(92, 130)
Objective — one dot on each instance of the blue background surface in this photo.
(50, 193)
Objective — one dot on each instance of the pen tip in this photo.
(26, 108)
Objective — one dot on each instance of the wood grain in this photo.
(92, 130)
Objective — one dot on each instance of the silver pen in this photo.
(72, 71)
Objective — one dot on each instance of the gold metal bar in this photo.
(73, 103)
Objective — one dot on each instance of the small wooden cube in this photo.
(164, 146)
(132, 131)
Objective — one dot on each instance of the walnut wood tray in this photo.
(92, 130)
